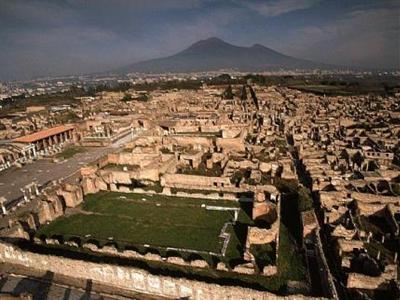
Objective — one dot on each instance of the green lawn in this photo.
(160, 221)
(177, 222)
(237, 242)
(70, 152)
(291, 265)
(103, 198)
(128, 231)
(265, 254)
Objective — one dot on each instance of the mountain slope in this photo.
(215, 54)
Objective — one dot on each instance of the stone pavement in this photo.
(43, 171)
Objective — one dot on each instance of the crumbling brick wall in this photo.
(131, 278)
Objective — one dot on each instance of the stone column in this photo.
(53, 138)
(75, 135)
(369, 237)
(47, 147)
(24, 193)
(36, 189)
(2, 203)
(236, 215)
(30, 189)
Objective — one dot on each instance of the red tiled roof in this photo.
(30, 138)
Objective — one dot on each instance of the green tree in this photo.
(243, 94)
(228, 94)
(358, 159)
(127, 97)
(305, 200)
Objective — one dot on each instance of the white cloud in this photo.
(278, 7)
(364, 37)
(176, 36)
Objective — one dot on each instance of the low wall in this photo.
(326, 275)
(360, 281)
(130, 278)
(231, 144)
(371, 198)
(188, 141)
(127, 158)
(195, 181)
(94, 143)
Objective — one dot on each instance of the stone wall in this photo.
(244, 164)
(191, 181)
(72, 194)
(232, 144)
(126, 158)
(371, 199)
(44, 208)
(368, 209)
(169, 164)
(126, 177)
(151, 166)
(361, 281)
(130, 278)
(189, 141)
(326, 275)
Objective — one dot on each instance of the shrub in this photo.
(305, 200)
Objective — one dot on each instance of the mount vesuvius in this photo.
(215, 54)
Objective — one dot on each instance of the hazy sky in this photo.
(55, 37)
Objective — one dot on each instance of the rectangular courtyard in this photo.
(157, 221)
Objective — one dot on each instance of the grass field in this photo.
(138, 219)
(289, 263)
(103, 198)
(70, 152)
(123, 214)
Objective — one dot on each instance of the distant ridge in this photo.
(215, 54)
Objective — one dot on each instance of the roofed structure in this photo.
(30, 138)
